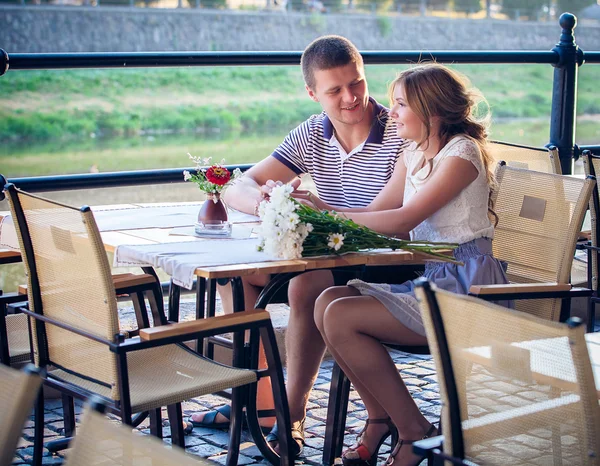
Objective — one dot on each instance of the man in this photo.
(350, 151)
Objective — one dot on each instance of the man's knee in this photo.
(304, 289)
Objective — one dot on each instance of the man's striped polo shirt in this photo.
(343, 180)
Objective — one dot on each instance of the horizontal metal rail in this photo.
(45, 61)
(103, 180)
(592, 149)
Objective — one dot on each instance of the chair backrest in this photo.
(101, 441)
(18, 390)
(591, 164)
(70, 282)
(525, 157)
(539, 219)
(513, 386)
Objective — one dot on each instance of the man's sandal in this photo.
(209, 419)
(432, 430)
(297, 436)
(363, 456)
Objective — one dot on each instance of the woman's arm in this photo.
(390, 197)
(452, 176)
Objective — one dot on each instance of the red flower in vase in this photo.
(218, 175)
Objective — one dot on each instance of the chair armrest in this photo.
(213, 325)
(527, 291)
(590, 247)
(519, 288)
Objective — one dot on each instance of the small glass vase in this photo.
(212, 217)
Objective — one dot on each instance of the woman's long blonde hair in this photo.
(434, 90)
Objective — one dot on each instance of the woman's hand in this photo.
(310, 199)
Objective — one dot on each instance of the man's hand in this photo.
(266, 188)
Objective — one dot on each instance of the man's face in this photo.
(342, 93)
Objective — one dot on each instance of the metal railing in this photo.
(566, 58)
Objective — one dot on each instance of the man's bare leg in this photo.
(303, 342)
(253, 285)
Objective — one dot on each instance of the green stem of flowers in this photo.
(358, 237)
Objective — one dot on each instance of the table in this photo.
(543, 349)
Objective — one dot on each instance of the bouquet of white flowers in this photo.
(291, 230)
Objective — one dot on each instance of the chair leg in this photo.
(68, 415)
(141, 312)
(4, 352)
(286, 456)
(38, 429)
(176, 422)
(591, 317)
(337, 410)
(174, 298)
(235, 425)
(156, 423)
(155, 298)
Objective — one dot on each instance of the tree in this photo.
(572, 6)
(467, 6)
(529, 8)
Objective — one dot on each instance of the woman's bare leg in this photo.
(351, 335)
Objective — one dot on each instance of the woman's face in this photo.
(408, 124)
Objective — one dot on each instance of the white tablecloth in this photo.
(180, 260)
(133, 218)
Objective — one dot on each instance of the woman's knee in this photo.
(325, 299)
(333, 324)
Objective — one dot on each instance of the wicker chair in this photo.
(513, 387)
(76, 335)
(101, 441)
(591, 164)
(538, 251)
(18, 390)
(529, 158)
(539, 219)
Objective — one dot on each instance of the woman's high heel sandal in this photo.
(365, 457)
(402, 442)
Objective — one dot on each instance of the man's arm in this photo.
(246, 194)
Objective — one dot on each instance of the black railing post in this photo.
(3, 62)
(564, 93)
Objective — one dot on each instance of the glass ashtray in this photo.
(218, 228)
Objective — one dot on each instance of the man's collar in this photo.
(379, 121)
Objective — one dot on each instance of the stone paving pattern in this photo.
(418, 373)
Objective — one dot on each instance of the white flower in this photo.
(186, 175)
(335, 241)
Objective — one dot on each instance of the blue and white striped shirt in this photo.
(343, 180)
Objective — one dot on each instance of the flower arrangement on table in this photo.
(212, 217)
(212, 180)
(291, 230)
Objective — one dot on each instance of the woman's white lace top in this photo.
(465, 217)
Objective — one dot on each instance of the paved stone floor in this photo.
(417, 371)
(212, 444)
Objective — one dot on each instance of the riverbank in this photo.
(61, 106)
